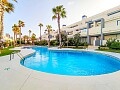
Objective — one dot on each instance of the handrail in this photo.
(21, 56)
(18, 53)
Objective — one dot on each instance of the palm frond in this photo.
(54, 11)
(63, 14)
(54, 17)
(15, 0)
(30, 31)
(21, 23)
(41, 25)
(9, 7)
(48, 26)
(4, 1)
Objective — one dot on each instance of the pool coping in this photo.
(45, 81)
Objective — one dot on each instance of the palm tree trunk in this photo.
(29, 34)
(48, 39)
(20, 36)
(28, 39)
(1, 21)
(14, 39)
(40, 33)
(48, 42)
(59, 31)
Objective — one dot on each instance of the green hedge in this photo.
(111, 44)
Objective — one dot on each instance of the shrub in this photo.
(36, 43)
(115, 45)
(103, 48)
(70, 42)
(109, 42)
(63, 38)
(54, 43)
(85, 44)
(77, 39)
(43, 42)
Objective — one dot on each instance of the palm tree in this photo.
(25, 37)
(33, 38)
(5, 6)
(49, 28)
(40, 25)
(15, 29)
(59, 12)
(20, 24)
(29, 33)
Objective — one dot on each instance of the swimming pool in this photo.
(72, 63)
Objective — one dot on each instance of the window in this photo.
(70, 33)
(77, 30)
(84, 30)
(73, 26)
(91, 25)
(118, 22)
(97, 24)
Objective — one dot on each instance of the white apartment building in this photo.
(97, 29)
(53, 34)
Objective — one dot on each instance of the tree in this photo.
(40, 25)
(29, 34)
(59, 12)
(5, 6)
(49, 28)
(15, 29)
(25, 37)
(77, 39)
(63, 38)
(71, 41)
(33, 38)
(20, 24)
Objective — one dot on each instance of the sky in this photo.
(33, 12)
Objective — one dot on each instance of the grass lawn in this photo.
(6, 51)
(110, 50)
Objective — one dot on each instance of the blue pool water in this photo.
(73, 63)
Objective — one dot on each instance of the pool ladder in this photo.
(20, 55)
(17, 53)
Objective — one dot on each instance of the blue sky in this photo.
(33, 12)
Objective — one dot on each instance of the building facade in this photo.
(53, 34)
(96, 30)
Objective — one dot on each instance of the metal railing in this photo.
(18, 54)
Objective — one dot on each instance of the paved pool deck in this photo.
(14, 76)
